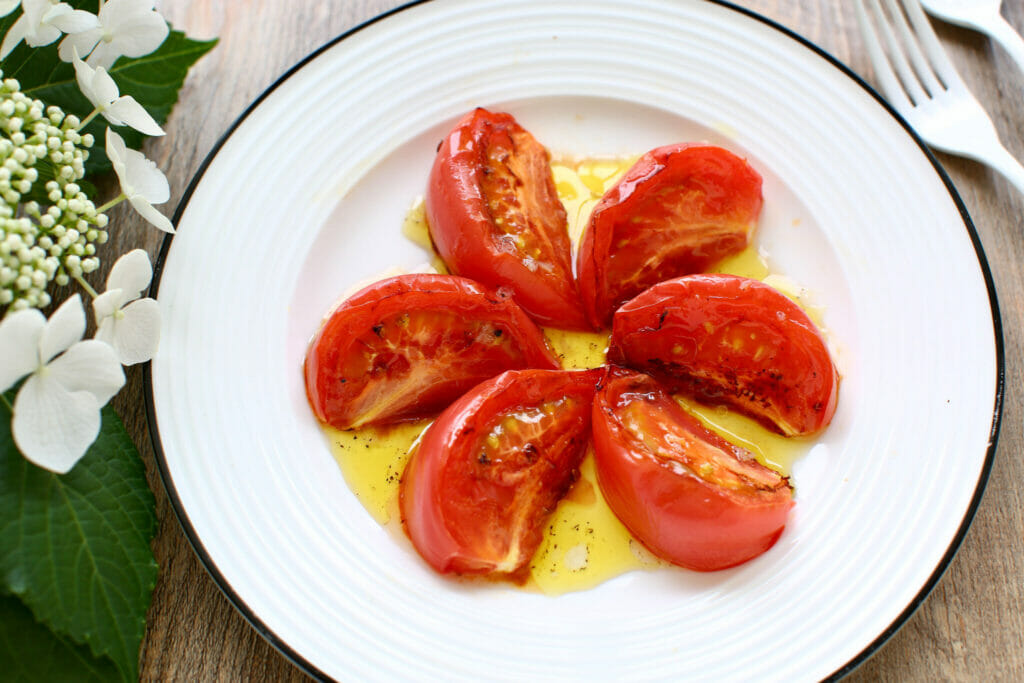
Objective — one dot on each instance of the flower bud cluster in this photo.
(49, 233)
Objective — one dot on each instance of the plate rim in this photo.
(925, 590)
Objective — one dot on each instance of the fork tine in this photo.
(953, 120)
(936, 53)
(896, 59)
(924, 71)
(883, 69)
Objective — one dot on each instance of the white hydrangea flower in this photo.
(129, 324)
(8, 6)
(142, 183)
(57, 409)
(42, 22)
(101, 90)
(53, 240)
(127, 28)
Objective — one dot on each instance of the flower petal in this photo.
(84, 74)
(104, 87)
(19, 345)
(35, 10)
(8, 6)
(53, 427)
(91, 366)
(83, 42)
(135, 28)
(71, 20)
(106, 326)
(41, 31)
(145, 178)
(106, 304)
(104, 55)
(116, 152)
(135, 336)
(114, 12)
(126, 111)
(142, 37)
(43, 35)
(147, 211)
(64, 328)
(15, 35)
(131, 273)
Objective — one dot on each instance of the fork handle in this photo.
(1001, 160)
(1008, 37)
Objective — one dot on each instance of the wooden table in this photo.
(972, 624)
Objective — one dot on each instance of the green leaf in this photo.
(153, 80)
(30, 652)
(74, 548)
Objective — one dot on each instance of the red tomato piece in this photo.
(729, 340)
(495, 216)
(678, 210)
(687, 494)
(476, 493)
(407, 346)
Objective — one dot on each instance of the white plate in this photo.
(305, 197)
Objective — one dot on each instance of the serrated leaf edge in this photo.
(53, 628)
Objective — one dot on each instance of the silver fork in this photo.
(981, 15)
(923, 86)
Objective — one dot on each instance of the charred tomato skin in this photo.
(680, 209)
(487, 473)
(654, 485)
(495, 216)
(407, 346)
(733, 341)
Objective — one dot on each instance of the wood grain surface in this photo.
(969, 628)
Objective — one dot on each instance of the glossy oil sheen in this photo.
(417, 231)
(771, 449)
(584, 544)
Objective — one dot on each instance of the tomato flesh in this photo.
(407, 346)
(495, 216)
(687, 494)
(728, 340)
(486, 475)
(680, 209)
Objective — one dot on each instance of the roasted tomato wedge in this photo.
(486, 475)
(678, 210)
(495, 216)
(729, 340)
(686, 493)
(407, 346)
